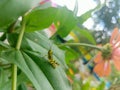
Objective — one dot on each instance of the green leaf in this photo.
(27, 65)
(56, 76)
(76, 8)
(5, 79)
(35, 63)
(81, 19)
(86, 34)
(22, 87)
(6, 86)
(39, 43)
(40, 19)
(70, 54)
(67, 21)
(10, 10)
(84, 17)
(20, 79)
(44, 77)
(12, 39)
(3, 46)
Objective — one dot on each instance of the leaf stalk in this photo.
(14, 67)
(81, 44)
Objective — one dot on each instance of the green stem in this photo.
(14, 77)
(81, 44)
(21, 35)
(14, 67)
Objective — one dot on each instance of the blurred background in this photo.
(96, 19)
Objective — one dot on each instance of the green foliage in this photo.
(40, 19)
(85, 34)
(67, 21)
(84, 17)
(76, 8)
(101, 86)
(86, 86)
(36, 67)
(87, 15)
(71, 54)
(10, 10)
(76, 86)
(3, 77)
(22, 87)
(34, 46)
(21, 79)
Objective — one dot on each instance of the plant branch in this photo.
(81, 44)
(21, 35)
(14, 67)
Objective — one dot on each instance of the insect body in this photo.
(51, 60)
